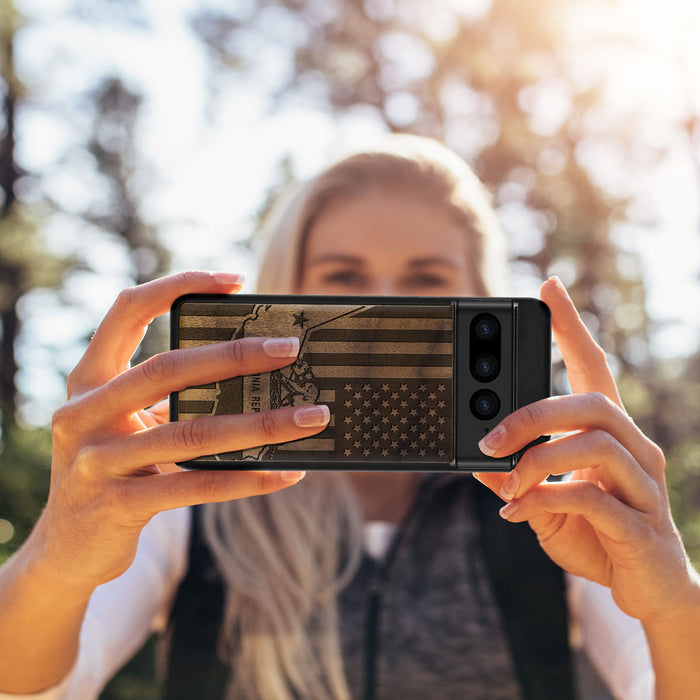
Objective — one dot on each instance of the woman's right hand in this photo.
(113, 459)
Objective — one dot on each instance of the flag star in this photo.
(413, 428)
(358, 411)
(422, 387)
(414, 444)
(375, 444)
(403, 404)
(385, 452)
(357, 444)
(348, 419)
(432, 396)
(366, 387)
(348, 403)
(403, 453)
(441, 387)
(348, 436)
(348, 387)
(366, 419)
(366, 452)
(358, 395)
(413, 412)
(432, 412)
(376, 428)
(394, 411)
(422, 436)
(376, 412)
(385, 387)
(375, 395)
(394, 395)
(431, 444)
(385, 420)
(441, 436)
(422, 453)
(414, 396)
(403, 387)
(422, 404)
(403, 419)
(432, 428)
(441, 404)
(441, 453)
(394, 428)
(441, 420)
(394, 444)
(348, 452)
(385, 404)
(358, 428)
(366, 403)
(422, 420)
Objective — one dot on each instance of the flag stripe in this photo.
(384, 335)
(383, 372)
(319, 359)
(373, 349)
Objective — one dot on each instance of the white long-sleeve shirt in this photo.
(124, 612)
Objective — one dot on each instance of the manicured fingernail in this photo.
(510, 486)
(312, 416)
(292, 476)
(508, 510)
(281, 347)
(491, 443)
(228, 277)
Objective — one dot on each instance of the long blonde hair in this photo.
(285, 556)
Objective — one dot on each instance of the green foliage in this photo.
(25, 460)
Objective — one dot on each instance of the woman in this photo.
(409, 220)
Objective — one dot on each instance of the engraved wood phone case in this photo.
(396, 374)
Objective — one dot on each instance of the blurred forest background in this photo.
(584, 127)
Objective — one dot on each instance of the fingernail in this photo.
(490, 444)
(510, 486)
(228, 277)
(508, 510)
(312, 416)
(281, 347)
(292, 476)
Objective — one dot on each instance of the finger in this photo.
(151, 494)
(604, 512)
(613, 465)
(159, 412)
(175, 370)
(563, 414)
(124, 326)
(207, 435)
(586, 363)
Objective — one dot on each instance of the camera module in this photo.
(486, 327)
(485, 404)
(485, 367)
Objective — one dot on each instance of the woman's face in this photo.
(386, 244)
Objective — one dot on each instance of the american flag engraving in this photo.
(385, 371)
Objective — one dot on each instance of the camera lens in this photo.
(486, 327)
(485, 404)
(485, 367)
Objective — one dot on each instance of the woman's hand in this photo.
(611, 522)
(113, 459)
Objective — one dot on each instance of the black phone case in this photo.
(407, 379)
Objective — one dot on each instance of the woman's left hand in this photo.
(611, 522)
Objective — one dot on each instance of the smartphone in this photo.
(412, 383)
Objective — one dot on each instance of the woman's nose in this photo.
(384, 288)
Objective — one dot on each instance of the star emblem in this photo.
(300, 319)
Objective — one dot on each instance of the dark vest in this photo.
(527, 587)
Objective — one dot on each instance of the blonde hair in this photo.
(410, 165)
(285, 556)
